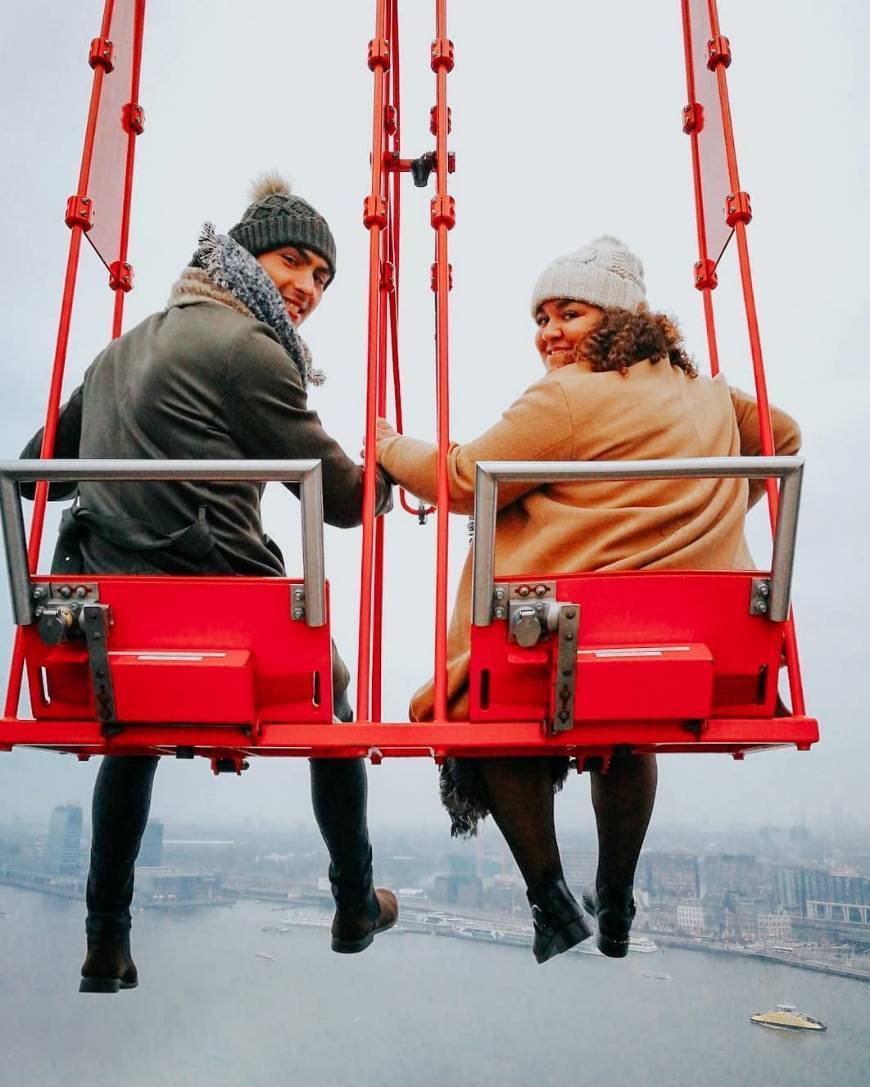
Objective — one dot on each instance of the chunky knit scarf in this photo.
(223, 271)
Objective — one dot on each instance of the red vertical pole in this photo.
(78, 219)
(739, 215)
(375, 220)
(443, 219)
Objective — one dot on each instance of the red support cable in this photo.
(442, 221)
(375, 219)
(720, 59)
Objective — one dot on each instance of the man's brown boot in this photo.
(108, 966)
(354, 929)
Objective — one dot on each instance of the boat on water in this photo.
(787, 1017)
(655, 977)
(265, 957)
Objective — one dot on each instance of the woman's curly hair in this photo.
(624, 338)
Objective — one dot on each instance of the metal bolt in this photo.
(569, 635)
(761, 607)
(81, 592)
(564, 715)
(38, 612)
(763, 589)
(298, 594)
(38, 592)
(298, 613)
(566, 671)
(570, 613)
(499, 613)
(97, 636)
(65, 591)
(499, 594)
(540, 590)
(523, 590)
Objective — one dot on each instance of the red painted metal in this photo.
(375, 220)
(717, 658)
(403, 740)
(443, 218)
(164, 632)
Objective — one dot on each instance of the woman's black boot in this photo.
(108, 966)
(614, 909)
(558, 920)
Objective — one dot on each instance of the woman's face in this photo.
(562, 325)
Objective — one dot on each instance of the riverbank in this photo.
(665, 939)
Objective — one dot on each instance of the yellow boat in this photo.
(787, 1017)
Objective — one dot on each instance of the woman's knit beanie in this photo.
(603, 273)
(276, 217)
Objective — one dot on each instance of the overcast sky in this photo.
(566, 125)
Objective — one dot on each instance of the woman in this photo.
(619, 386)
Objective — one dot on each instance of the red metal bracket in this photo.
(737, 208)
(379, 54)
(705, 275)
(374, 212)
(102, 54)
(79, 212)
(134, 118)
(443, 211)
(121, 276)
(434, 279)
(391, 120)
(388, 276)
(433, 120)
(718, 52)
(693, 118)
(442, 54)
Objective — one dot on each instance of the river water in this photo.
(412, 1010)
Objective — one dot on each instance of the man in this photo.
(219, 374)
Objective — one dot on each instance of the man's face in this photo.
(562, 325)
(300, 276)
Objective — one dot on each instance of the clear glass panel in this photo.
(106, 182)
(715, 185)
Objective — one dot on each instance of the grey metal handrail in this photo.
(490, 473)
(307, 473)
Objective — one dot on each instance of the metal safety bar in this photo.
(490, 473)
(307, 473)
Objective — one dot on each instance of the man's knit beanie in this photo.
(276, 217)
(603, 273)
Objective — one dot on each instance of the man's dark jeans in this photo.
(122, 799)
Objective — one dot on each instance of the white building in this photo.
(690, 917)
(774, 928)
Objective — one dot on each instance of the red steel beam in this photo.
(375, 220)
(442, 221)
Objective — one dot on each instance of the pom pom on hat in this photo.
(603, 273)
(270, 183)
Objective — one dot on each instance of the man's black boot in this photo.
(614, 909)
(558, 920)
(108, 966)
(361, 910)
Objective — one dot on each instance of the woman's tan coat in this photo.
(655, 411)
